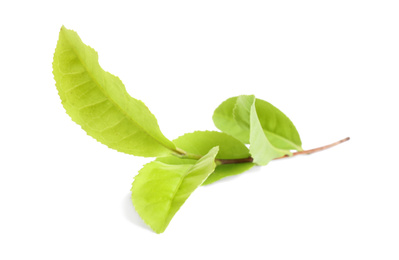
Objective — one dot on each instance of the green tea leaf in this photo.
(223, 118)
(260, 147)
(100, 104)
(278, 128)
(199, 142)
(160, 189)
(245, 114)
(232, 117)
(174, 160)
(242, 112)
(98, 101)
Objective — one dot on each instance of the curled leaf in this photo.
(233, 117)
(160, 189)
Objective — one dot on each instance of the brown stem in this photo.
(315, 150)
(231, 161)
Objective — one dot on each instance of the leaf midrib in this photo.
(174, 194)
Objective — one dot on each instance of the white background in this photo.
(331, 66)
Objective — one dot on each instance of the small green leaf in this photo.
(242, 112)
(223, 118)
(260, 147)
(232, 117)
(199, 142)
(98, 101)
(278, 128)
(160, 189)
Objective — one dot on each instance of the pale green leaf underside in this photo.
(224, 120)
(242, 111)
(233, 117)
(246, 116)
(261, 149)
(98, 101)
(160, 189)
(278, 128)
(199, 142)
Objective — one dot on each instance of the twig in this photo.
(315, 150)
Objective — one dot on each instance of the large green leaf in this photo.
(98, 101)
(233, 117)
(160, 189)
(200, 142)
